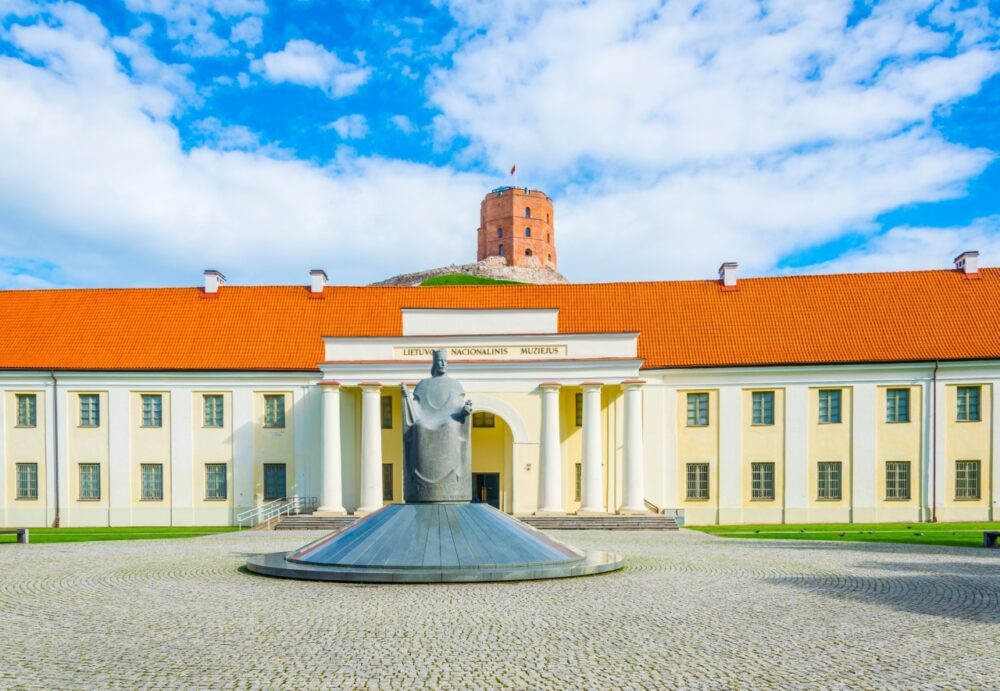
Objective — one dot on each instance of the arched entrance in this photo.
(492, 460)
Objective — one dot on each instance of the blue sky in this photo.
(142, 141)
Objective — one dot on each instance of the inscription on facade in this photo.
(483, 352)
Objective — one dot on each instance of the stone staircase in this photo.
(610, 522)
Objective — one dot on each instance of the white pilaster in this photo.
(243, 458)
(119, 463)
(181, 467)
(796, 453)
(4, 460)
(371, 447)
(668, 421)
(863, 453)
(592, 491)
(730, 455)
(551, 460)
(633, 499)
(937, 480)
(332, 494)
(994, 460)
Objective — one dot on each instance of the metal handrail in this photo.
(273, 509)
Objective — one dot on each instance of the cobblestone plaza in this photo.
(688, 610)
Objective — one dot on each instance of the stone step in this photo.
(309, 522)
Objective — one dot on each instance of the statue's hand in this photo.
(468, 407)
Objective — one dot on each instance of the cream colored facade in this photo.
(599, 441)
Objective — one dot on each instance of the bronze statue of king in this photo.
(437, 448)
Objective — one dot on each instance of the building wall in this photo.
(506, 210)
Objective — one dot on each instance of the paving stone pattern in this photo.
(689, 610)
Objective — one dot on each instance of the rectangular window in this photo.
(967, 480)
(579, 481)
(897, 480)
(152, 481)
(697, 409)
(578, 402)
(215, 481)
(829, 405)
(27, 410)
(483, 420)
(387, 481)
(213, 412)
(90, 410)
(763, 407)
(90, 481)
(152, 410)
(829, 481)
(27, 481)
(274, 410)
(762, 481)
(386, 412)
(897, 405)
(275, 481)
(697, 480)
(968, 403)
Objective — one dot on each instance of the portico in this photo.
(572, 403)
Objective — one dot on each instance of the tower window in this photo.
(501, 249)
(499, 232)
(527, 252)
(527, 232)
(550, 257)
(527, 212)
(548, 237)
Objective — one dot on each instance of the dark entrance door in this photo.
(486, 489)
(274, 481)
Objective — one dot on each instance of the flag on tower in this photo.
(513, 168)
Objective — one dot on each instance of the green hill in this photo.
(465, 280)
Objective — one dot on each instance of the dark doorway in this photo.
(486, 489)
(274, 481)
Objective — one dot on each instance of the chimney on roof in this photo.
(213, 281)
(968, 263)
(317, 281)
(727, 274)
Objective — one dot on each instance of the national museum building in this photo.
(834, 398)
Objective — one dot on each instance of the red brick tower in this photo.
(518, 224)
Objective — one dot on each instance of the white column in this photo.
(371, 447)
(331, 500)
(552, 468)
(633, 498)
(592, 492)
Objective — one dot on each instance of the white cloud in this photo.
(350, 126)
(226, 137)
(108, 195)
(306, 63)
(403, 124)
(206, 27)
(680, 135)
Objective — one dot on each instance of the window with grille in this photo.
(90, 410)
(215, 481)
(27, 480)
(762, 481)
(152, 410)
(897, 480)
(90, 481)
(828, 480)
(274, 410)
(387, 481)
(829, 405)
(27, 410)
(967, 479)
(897, 405)
(968, 403)
(386, 402)
(697, 480)
(152, 481)
(763, 407)
(484, 420)
(578, 403)
(579, 481)
(697, 409)
(213, 410)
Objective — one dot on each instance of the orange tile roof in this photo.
(875, 317)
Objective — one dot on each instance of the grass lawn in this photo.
(954, 534)
(39, 535)
(465, 280)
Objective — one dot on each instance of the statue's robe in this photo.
(437, 450)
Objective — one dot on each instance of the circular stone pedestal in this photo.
(435, 543)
